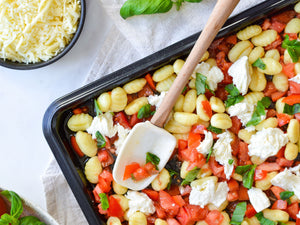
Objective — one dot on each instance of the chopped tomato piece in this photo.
(145, 92)
(115, 208)
(235, 145)
(150, 168)
(105, 157)
(233, 196)
(178, 200)
(266, 24)
(269, 167)
(243, 153)
(284, 17)
(277, 95)
(96, 191)
(231, 39)
(196, 160)
(182, 144)
(217, 169)
(193, 140)
(298, 221)
(292, 99)
(198, 129)
(186, 190)
(250, 211)
(294, 87)
(280, 153)
(77, 111)
(195, 212)
(236, 124)
(174, 190)
(243, 193)
(280, 204)
(207, 108)
(150, 81)
(214, 217)
(270, 89)
(289, 69)
(120, 118)
(260, 174)
(151, 194)
(129, 169)
(134, 120)
(283, 119)
(284, 162)
(275, 44)
(172, 221)
(183, 217)
(271, 113)
(233, 185)
(140, 174)
(101, 211)
(293, 210)
(76, 147)
(168, 204)
(160, 212)
(278, 26)
(292, 36)
(221, 92)
(276, 191)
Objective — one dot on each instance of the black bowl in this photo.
(24, 66)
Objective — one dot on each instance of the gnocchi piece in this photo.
(174, 127)
(245, 135)
(119, 189)
(226, 218)
(291, 151)
(212, 62)
(205, 171)
(86, 143)
(217, 104)
(163, 73)
(137, 218)
(276, 215)
(104, 101)
(220, 208)
(118, 99)
(297, 67)
(297, 7)
(113, 221)
(267, 123)
(265, 184)
(199, 108)
(281, 82)
(252, 221)
(240, 49)
(279, 105)
(183, 169)
(245, 223)
(93, 169)
(123, 201)
(180, 136)
(178, 107)
(177, 65)
(273, 53)
(192, 83)
(221, 120)
(293, 130)
(134, 106)
(160, 222)
(135, 86)
(253, 97)
(264, 38)
(272, 66)
(293, 26)
(257, 52)
(189, 104)
(258, 81)
(202, 222)
(249, 32)
(79, 122)
(186, 118)
(161, 181)
(256, 160)
(205, 56)
(287, 58)
(165, 85)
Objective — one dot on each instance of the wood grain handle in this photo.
(219, 15)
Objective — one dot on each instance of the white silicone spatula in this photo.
(151, 137)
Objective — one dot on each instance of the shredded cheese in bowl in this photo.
(36, 30)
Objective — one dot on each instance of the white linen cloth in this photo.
(127, 41)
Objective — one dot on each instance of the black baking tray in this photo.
(58, 113)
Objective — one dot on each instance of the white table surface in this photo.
(25, 96)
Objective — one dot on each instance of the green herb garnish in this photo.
(209, 154)
(286, 194)
(172, 173)
(214, 129)
(101, 142)
(104, 201)
(264, 221)
(154, 159)
(234, 95)
(239, 213)
(184, 89)
(247, 172)
(260, 64)
(230, 161)
(293, 48)
(144, 112)
(97, 108)
(201, 84)
(259, 111)
(291, 109)
(191, 175)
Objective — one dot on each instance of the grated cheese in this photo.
(36, 30)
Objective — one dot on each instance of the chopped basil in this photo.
(191, 175)
(286, 194)
(264, 221)
(281, 223)
(154, 159)
(184, 89)
(209, 154)
(214, 129)
(144, 112)
(239, 213)
(259, 111)
(293, 48)
(234, 95)
(260, 64)
(97, 108)
(29, 220)
(101, 142)
(172, 173)
(230, 161)
(291, 109)
(104, 201)
(201, 84)
(247, 172)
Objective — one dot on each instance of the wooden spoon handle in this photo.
(219, 15)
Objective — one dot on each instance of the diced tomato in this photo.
(278, 26)
(292, 36)
(104, 181)
(174, 190)
(260, 174)
(140, 174)
(197, 160)
(183, 217)
(172, 221)
(115, 208)
(280, 153)
(185, 190)
(96, 191)
(193, 140)
(107, 144)
(271, 113)
(280, 204)
(150, 81)
(235, 145)
(292, 99)
(221, 92)
(243, 153)
(284, 17)
(276, 191)
(207, 108)
(198, 129)
(294, 87)
(298, 221)
(275, 44)
(214, 217)
(269, 167)
(243, 193)
(250, 211)
(236, 124)
(120, 118)
(76, 147)
(233, 185)
(129, 169)
(102, 211)
(105, 157)
(231, 39)
(217, 169)
(151, 194)
(150, 168)
(77, 111)
(168, 204)
(224, 66)
(277, 95)
(293, 210)
(184, 154)
(150, 220)
(266, 24)
(107, 176)
(195, 212)
(145, 92)
(233, 196)
(270, 89)
(283, 119)
(289, 69)
(134, 120)
(159, 211)
(182, 144)
(178, 200)
(284, 162)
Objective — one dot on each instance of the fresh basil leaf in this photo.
(144, 112)
(184, 89)
(260, 64)
(30, 220)
(192, 0)
(249, 177)
(104, 201)
(232, 90)
(201, 84)
(291, 109)
(293, 48)
(234, 95)
(259, 111)
(154, 159)
(172, 173)
(178, 4)
(286, 195)
(16, 203)
(97, 108)
(139, 7)
(214, 129)
(7, 219)
(264, 221)
(281, 223)
(101, 142)
(230, 161)
(209, 154)
(191, 175)
(242, 169)
(239, 213)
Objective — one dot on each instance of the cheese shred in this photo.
(36, 30)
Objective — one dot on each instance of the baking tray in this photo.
(56, 117)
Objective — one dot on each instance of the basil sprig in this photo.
(260, 64)
(101, 142)
(291, 109)
(239, 213)
(259, 111)
(97, 108)
(139, 7)
(209, 154)
(264, 221)
(201, 84)
(247, 172)
(104, 201)
(154, 159)
(230, 161)
(284, 195)
(214, 129)
(15, 212)
(191, 175)
(234, 95)
(145, 112)
(293, 48)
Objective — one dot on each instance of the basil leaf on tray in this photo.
(247, 172)
(239, 213)
(286, 194)
(191, 175)
(201, 84)
(104, 201)
(214, 129)
(154, 159)
(101, 142)
(291, 109)
(293, 47)
(260, 64)
(144, 112)
(259, 111)
(16, 203)
(264, 221)
(97, 108)
(234, 95)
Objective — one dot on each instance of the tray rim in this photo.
(121, 76)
